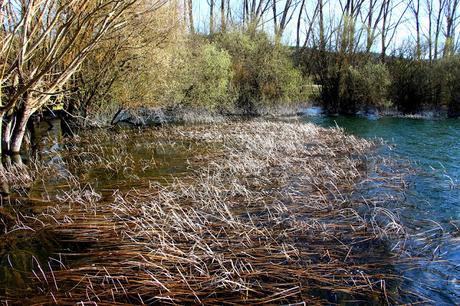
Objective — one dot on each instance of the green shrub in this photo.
(412, 89)
(190, 73)
(232, 70)
(207, 78)
(350, 84)
(368, 86)
(419, 85)
(264, 74)
(447, 75)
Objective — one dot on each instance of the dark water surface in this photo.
(101, 161)
(432, 199)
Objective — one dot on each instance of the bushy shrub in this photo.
(153, 78)
(264, 74)
(418, 85)
(207, 78)
(446, 76)
(233, 70)
(412, 88)
(367, 86)
(348, 84)
(190, 73)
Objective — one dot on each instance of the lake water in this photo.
(432, 201)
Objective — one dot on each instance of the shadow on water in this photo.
(430, 207)
(105, 166)
(22, 252)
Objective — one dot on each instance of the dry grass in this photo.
(269, 214)
(15, 177)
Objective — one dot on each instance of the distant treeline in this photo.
(361, 82)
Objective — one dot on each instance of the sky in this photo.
(404, 33)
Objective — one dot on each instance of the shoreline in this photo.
(315, 111)
(155, 116)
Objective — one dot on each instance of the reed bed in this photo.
(15, 178)
(269, 213)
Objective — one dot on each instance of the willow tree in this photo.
(46, 42)
(118, 55)
(282, 19)
(6, 43)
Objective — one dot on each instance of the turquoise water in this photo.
(432, 199)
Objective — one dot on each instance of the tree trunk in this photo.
(299, 22)
(275, 18)
(4, 188)
(19, 130)
(415, 6)
(223, 21)
(438, 28)
(429, 8)
(244, 12)
(6, 135)
(1, 136)
(211, 17)
(322, 43)
(451, 18)
(370, 32)
(190, 16)
(16, 158)
(384, 32)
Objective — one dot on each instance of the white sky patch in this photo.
(404, 35)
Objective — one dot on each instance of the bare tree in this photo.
(52, 39)
(372, 20)
(310, 22)
(350, 11)
(391, 22)
(6, 44)
(150, 27)
(434, 12)
(299, 22)
(437, 33)
(429, 10)
(223, 22)
(415, 8)
(190, 16)
(212, 4)
(451, 14)
(254, 10)
(282, 19)
(322, 42)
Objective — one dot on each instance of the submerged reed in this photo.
(270, 213)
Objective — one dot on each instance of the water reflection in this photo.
(114, 162)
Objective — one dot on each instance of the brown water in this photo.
(99, 165)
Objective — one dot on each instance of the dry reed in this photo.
(269, 213)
